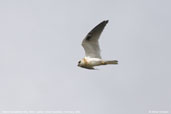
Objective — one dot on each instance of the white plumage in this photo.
(92, 49)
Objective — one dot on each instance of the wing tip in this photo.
(106, 21)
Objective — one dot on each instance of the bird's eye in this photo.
(79, 62)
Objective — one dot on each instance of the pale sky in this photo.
(40, 45)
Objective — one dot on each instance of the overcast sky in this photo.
(40, 45)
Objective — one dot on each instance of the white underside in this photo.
(94, 61)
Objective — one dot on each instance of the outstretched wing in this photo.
(90, 42)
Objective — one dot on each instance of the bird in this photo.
(92, 49)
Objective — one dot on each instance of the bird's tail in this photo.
(111, 62)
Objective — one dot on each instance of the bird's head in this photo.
(81, 63)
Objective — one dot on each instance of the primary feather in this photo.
(90, 42)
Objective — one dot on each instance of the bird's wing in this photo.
(90, 42)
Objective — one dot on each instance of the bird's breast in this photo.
(92, 61)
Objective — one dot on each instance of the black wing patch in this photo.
(88, 37)
(96, 30)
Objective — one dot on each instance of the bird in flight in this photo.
(92, 49)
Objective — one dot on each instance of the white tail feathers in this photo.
(111, 62)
